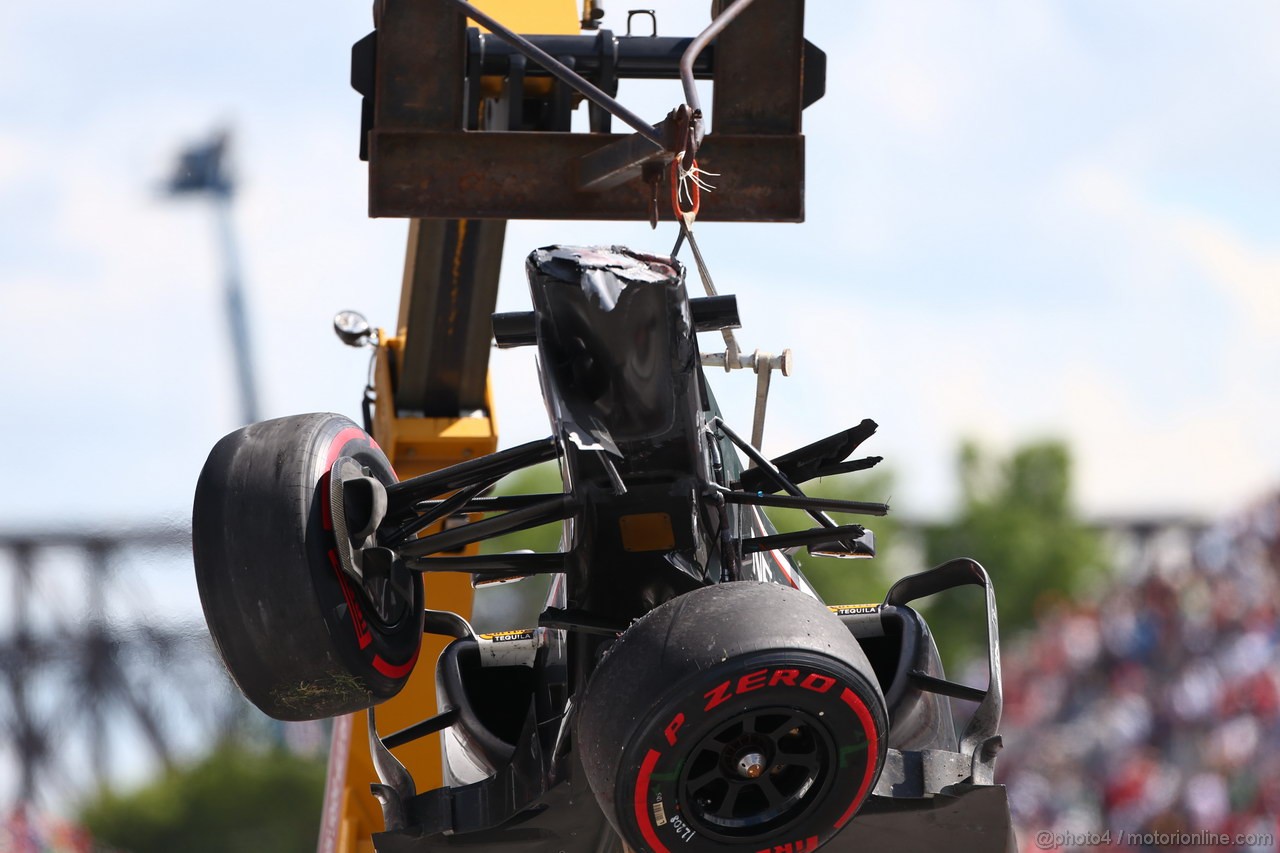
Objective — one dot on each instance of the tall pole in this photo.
(237, 314)
(201, 170)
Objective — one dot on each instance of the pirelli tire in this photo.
(300, 638)
(740, 717)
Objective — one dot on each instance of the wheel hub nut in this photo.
(751, 765)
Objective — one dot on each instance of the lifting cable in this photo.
(686, 186)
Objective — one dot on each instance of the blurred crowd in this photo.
(1154, 705)
(25, 831)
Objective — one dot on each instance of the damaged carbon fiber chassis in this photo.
(646, 462)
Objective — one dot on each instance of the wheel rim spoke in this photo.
(772, 795)
(784, 724)
(704, 777)
(807, 760)
(728, 733)
(730, 802)
(791, 748)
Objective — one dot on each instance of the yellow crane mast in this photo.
(455, 261)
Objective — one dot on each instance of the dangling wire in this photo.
(693, 177)
(687, 185)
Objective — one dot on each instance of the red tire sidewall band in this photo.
(648, 791)
(354, 625)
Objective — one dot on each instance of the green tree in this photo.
(234, 799)
(1016, 517)
(517, 605)
(535, 480)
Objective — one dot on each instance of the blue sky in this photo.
(1026, 219)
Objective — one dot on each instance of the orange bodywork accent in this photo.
(647, 531)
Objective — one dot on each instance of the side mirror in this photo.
(353, 329)
(862, 548)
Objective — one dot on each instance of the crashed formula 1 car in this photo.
(685, 690)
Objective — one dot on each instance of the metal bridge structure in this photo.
(105, 663)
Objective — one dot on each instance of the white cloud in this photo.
(1250, 277)
(1205, 461)
(13, 155)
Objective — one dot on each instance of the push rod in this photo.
(497, 503)
(402, 496)
(492, 566)
(805, 502)
(556, 509)
(812, 536)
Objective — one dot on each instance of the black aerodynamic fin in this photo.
(822, 458)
